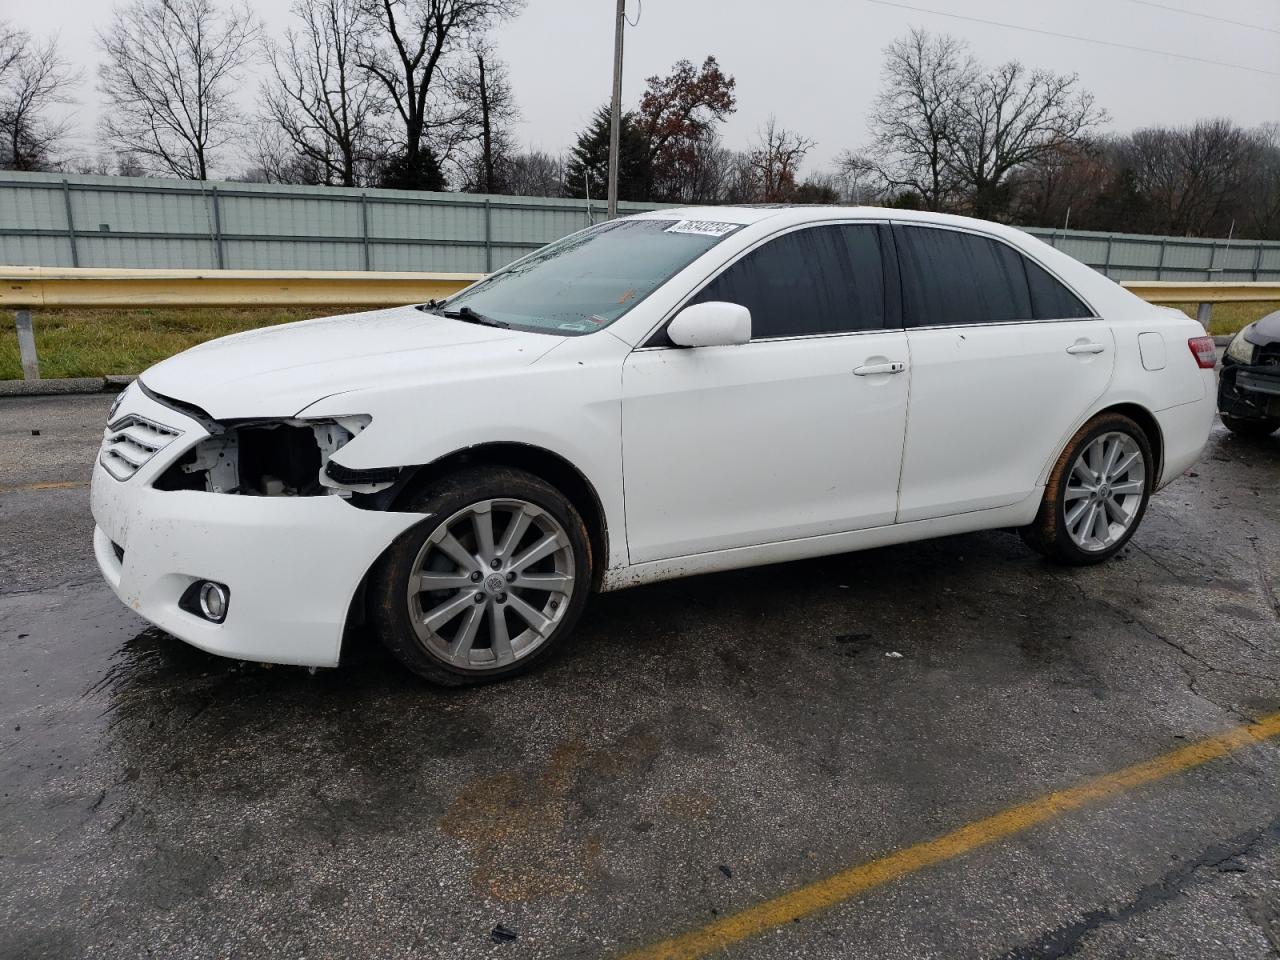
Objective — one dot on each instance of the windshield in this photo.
(589, 279)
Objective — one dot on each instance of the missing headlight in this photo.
(265, 458)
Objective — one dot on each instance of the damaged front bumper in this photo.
(292, 563)
(1250, 391)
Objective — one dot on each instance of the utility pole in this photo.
(615, 118)
(486, 129)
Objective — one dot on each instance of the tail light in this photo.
(1204, 351)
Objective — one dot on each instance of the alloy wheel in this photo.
(1104, 491)
(491, 584)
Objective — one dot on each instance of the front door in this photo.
(796, 434)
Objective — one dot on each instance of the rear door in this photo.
(1005, 359)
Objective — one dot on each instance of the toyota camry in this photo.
(662, 395)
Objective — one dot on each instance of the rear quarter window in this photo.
(1049, 298)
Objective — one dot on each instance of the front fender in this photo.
(568, 404)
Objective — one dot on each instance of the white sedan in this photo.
(658, 396)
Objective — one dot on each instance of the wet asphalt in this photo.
(703, 745)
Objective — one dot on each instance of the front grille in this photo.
(130, 443)
(1269, 355)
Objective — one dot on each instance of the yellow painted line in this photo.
(836, 889)
(48, 485)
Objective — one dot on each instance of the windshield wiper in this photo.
(465, 314)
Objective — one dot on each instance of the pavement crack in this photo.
(1152, 557)
(1068, 939)
(89, 580)
(1192, 677)
(1264, 580)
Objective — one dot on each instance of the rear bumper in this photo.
(1184, 430)
(293, 564)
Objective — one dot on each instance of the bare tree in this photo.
(1262, 190)
(484, 91)
(272, 157)
(33, 79)
(1059, 185)
(1193, 177)
(916, 116)
(169, 81)
(703, 171)
(416, 47)
(319, 95)
(1011, 117)
(535, 174)
(952, 136)
(859, 180)
(774, 160)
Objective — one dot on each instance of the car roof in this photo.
(798, 213)
(1092, 285)
(742, 215)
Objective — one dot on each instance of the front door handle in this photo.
(871, 369)
(1078, 348)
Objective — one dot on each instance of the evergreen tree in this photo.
(590, 159)
(419, 172)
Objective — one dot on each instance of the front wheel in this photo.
(490, 585)
(1097, 493)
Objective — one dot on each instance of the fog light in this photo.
(214, 598)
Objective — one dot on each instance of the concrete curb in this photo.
(67, 385)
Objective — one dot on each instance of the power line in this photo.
(1069, 36)
(1205, 16)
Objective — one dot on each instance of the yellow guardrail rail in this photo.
(26, 288)
(1175, 291)
(35, 287)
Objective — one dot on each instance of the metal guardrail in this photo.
(1204, 294)
(1175, 291)
(26, 288)
(35, 287)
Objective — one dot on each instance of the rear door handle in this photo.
(1078, 348)
(871, 369)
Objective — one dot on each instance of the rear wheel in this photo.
(1097, 493)
(1250, 429)
(491, 585)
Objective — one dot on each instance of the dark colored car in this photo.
(1249, 387)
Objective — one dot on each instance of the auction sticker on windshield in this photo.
(703, 228)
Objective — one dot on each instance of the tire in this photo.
(523, 614)
(1059, 531)
(1250, 429)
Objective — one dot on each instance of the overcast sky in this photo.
(816, 63)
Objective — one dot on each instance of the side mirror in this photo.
(711, 324)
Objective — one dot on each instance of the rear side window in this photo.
(1050, 299)
(826, 279)
(950, 277)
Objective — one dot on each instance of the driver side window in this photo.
(817, 280)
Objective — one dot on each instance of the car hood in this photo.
(1266, 331)
(278, 371)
